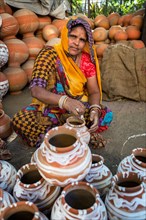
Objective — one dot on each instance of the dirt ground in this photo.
(127, 131)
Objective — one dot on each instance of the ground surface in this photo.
(127, 131)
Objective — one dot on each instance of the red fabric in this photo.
(87, 67)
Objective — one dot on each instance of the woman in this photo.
(65, 81)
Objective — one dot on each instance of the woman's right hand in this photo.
(74, 106)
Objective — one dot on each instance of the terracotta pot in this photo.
(79, 125)
(100, 34)
(63, 157)
(18, 52)
(34, 45)
(7, 176)
(126, 197)
(23, 210)
(5, 125)
(50, 31)
(99, 175)
(4, 85)
(17, 79)
(28, 21)
(30, 186)
(9, 27)
(79, 200)
(43, 21)
(28, 68)
(136, 162)
(4, 54)
(6, 199)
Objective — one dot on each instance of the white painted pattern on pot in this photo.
(4, 87)
(4, 54)
(64, 167)
(132, 164)
(126, 203)
(6, 199)
(7, 176)
(99, 175)
(63, 211)
(41, 193)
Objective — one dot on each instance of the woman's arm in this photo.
(94, 99)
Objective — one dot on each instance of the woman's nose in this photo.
(77, 42)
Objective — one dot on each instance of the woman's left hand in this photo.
(94, 118)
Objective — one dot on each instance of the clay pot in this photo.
(4, 54)
(53, 41)
(6, 199)
(43, 21)
(28, 68)
(60, 23)
(99, 175)
(30, 186)
(133, 32)
(28, 21)
(63, 158)
(7, 176)
(126, 197)
(17, 79)
(9, 27)
(79, 125)
(5, 125)
(136, 162)
(23, 210)
(4, 85)
(18, 52)
(100, 34)
(79, 200)
(50, 31)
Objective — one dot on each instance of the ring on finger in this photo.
(77, 109)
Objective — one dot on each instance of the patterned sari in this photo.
(50, 72)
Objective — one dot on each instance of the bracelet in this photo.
(62, 100)
(95, 106)
(95, 109)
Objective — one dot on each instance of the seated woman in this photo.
(65, 81)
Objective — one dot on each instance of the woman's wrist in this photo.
(62, 101)
(95, 106)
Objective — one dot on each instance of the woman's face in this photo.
(76, 40)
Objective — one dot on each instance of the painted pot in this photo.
(30, 186)
(63, 157)
(4, 54)
(5, 125)
(7, 176)
(79, 200)
(79, 125)
(126, 197)
(23, 210)
(99, 175)
(6, 199)
(4, 85)
(136, 162)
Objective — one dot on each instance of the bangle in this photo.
(62, 100)
(95, 106)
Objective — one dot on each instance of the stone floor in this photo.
(127, 131)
